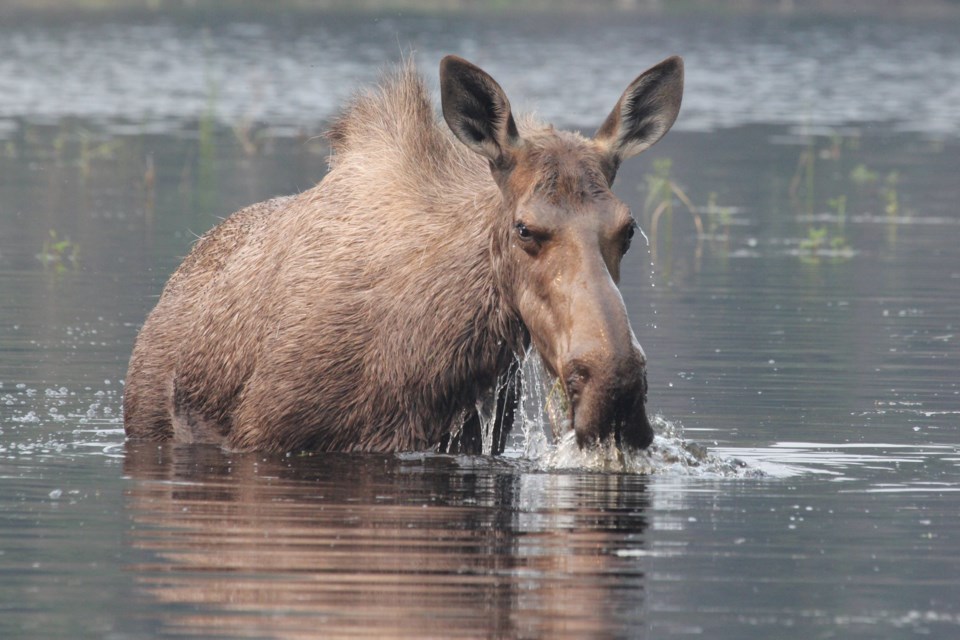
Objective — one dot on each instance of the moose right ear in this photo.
(477, 111)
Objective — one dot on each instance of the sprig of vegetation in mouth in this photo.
(558, 408)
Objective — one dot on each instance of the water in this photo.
(803, 348)
(293, 72)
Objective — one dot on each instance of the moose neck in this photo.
(504, 336)
(468, 319)
(498, 343)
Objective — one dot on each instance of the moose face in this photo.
(568, 234)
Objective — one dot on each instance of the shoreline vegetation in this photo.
(146, 8)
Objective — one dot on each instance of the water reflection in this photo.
(411, 546)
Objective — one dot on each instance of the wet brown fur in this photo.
(372, 312)
(364, 314)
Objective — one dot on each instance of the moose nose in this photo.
(607, 396)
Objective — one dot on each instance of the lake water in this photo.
(807, 336)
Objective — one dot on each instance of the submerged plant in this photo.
(819, 240)
(839, 206)
(891, 205)
(717, 217)
(662, 192)
(861, 175)
(803, 176)
(58, 252)
(891, 197)
(828, 239)
(869, 182)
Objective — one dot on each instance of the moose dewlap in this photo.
(371, 312)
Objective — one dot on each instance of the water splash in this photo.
(492, 408)
(669, 454)
(542, 434)
(33, 421)
(534, 420)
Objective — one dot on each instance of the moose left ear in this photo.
(644, 113)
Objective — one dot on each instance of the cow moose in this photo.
(372, 311)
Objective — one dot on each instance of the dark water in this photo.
(810, 330)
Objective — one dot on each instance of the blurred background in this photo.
(651, 6)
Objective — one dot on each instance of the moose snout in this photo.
(608, 398)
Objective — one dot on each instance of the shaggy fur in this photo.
(372, 312)
(344, 318)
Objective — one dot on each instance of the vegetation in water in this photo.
(863, 176)
(869, 190)
(812, 205)
(827, 240)
(884, 194)
(59, 253)
(719, 217)
(663, 193)
(890, 196)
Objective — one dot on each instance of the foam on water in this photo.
(61, 421)
(543, 435)
(669, 454)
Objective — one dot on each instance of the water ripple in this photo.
(160, 76)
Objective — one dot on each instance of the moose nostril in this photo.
(607, 396)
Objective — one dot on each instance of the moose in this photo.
(373, 311)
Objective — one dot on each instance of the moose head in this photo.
(563, 233)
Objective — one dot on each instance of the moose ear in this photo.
(477, 111)
(645, 111)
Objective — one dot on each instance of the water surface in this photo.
(809, 331)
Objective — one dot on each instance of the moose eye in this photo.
(523, 231)
(630, 231)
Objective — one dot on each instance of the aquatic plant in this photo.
(719, 217)
(92, 150)
(820, 241)
(839, 206)
(861, 175)
(868, 181)
(803, 175)
(828, 240)
(81, 147)
(662, 192)
(891, 197)
(58, 252)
